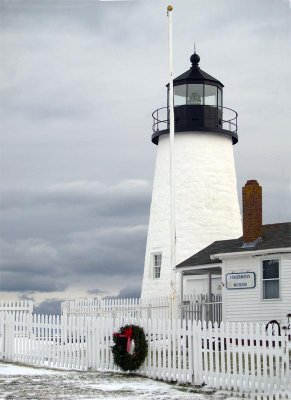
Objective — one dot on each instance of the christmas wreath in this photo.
(130, 347)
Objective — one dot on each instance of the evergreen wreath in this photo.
(122, 340)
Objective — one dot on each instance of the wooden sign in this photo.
(241, 280)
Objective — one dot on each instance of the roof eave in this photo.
(208, 265)
(221, 256)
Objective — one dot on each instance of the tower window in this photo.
(271, 279)
(157, 263)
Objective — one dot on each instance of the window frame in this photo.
(273, 279)
(155, 267)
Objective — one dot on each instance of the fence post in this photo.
(195, 347)
(149, 311)
(4, 335)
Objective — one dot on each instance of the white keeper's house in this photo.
(252, 272)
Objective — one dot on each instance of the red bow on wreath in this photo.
(127, 333)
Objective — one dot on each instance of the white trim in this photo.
(196, 267)
(202, 276)
(262, 281)
(154, 267)
(220, 256)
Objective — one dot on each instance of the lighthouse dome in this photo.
(196, 74)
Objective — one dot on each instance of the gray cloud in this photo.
(19, 281)
(80, 80)
(96, 291)
(55, 211)
(128, 196)
(49, 306)
(29, 295)
(130, 292)
(87, 256)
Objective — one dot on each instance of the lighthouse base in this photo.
(206, 204)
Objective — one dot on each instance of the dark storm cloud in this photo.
(80, 80)
(130, 292)
(29, 295)
(62, 258)
(53, 212)
(108, 251)
(19, 280)
(96, 291)
(126, 197)
(48, 306)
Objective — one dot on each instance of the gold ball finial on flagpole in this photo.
(170, 8)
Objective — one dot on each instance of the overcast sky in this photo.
(79, 81)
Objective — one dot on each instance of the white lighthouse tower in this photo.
(206, 200)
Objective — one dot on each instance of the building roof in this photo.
(274, 236)
(196, 74)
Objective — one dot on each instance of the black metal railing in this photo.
(161, 119)
(229, 119)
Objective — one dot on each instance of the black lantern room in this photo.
(198, 106)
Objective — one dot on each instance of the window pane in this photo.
(271, 289)
(270, 269)
(195, 94)
(180, 95)
(157, 262)
(157, 272)
(210, 95)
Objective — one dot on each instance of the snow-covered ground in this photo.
(23, 383)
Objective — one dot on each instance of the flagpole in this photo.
(172, 166)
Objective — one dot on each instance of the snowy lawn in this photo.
(18, 382)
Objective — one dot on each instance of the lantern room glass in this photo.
(180, 95)
(195, 94)
(210, 95)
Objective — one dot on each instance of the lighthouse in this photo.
(206, 200)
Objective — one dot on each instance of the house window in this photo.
(271, 279)
(157, 262)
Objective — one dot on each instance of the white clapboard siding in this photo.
(241, 357)
(239, 304)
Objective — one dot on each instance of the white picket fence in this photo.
(117, 308)
(243, 358)
(16, 305)
(193, 307)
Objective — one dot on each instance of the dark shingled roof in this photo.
(196, 74)
(274, 236)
